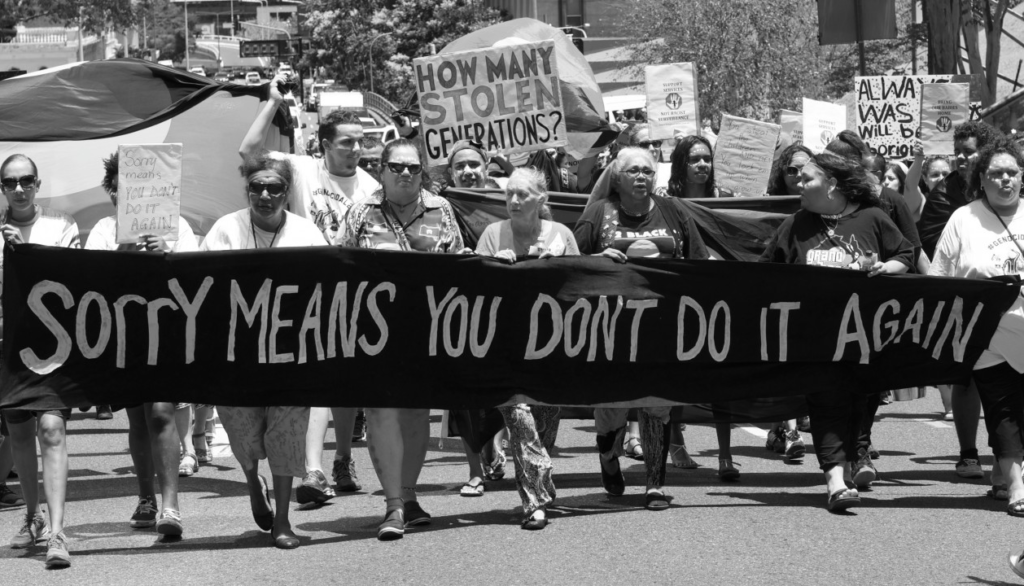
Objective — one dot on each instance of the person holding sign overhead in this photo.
(632, 221)
(402, 215)
(26, 222)
(154, 440)
(323, 190)
(840, 225)
(277, 434)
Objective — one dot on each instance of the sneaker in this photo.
(969, 468)
(57, 555)
(393, 526)
(873, 452)
(34, 530)
(776, 440)
(359, 429)
(103, 413)
(344, 474)
(9, 498)
(803, 424)
(863, 471)
(145, 513)
(170, 523)
(314, 489)
(794, 446)
(415, 515)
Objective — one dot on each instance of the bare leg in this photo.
(23, 445)
(282, 498)
(724, 433)
(54, 450)
(202, 415)
(415, 428)
(315, 434)
(184, 422)
(6, 458)
(141, 450)
(163, 447)
(946, 394)
(387, 449)
(344, 423)
(476, 467)
(966, 413)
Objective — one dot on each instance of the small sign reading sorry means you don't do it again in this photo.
(148, 191)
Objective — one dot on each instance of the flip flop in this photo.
(1015, 563)
(472, 490)
(843, 499)
(1016, 508)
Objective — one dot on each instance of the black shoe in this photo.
(873, 452)
(803, 424)
(535, 524)
(103, 412)
(655, 500)
(864, 472)
(614, 482)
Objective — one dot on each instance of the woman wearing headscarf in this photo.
(276, 434)
(839, 225)
(391, 219)
(634, 222)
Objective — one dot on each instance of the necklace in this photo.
(826, 217)
(252, 229)
(400, 208)
(631, 214)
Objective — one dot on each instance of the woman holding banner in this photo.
(840, 225)
(980, 241)
(277, 434)
(26, 222)
(154, 436)
(529, 232)
(391, 219)
(634, 222)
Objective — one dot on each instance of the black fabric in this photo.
(475, 426)
(667, 226)
(945, 198)
(1001, 389)
(896, 208)
(368, 338)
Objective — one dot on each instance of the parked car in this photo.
(198, 71)
(253, 78)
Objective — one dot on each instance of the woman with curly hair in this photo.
(693, 171)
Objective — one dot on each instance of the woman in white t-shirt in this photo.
(277, 434)
(986, 239)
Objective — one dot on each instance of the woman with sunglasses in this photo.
(840, 225)
(640, 137)
(277, 434)
(26, 222)
(785, 177)
(634, 222)
(391, 219)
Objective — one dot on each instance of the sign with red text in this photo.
(944, 106)
(507, 98)
(822, 122)
(148, 191)
(744, 154)
(672, 108)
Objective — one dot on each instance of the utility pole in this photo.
(188, 64)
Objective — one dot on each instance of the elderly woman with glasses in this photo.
(634, 222)
(277, 434)
(404, 216)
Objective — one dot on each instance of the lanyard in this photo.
(1008, 233)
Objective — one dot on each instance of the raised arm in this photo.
(911, 186)
(252, 144)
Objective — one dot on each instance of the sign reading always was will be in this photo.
(148, 191)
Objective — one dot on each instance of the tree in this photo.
(93, 15)
(342, 32)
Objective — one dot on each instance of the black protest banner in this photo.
(507, 98)
(343, 327)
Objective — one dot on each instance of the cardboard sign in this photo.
(792, 124)
(944, 106)
(672, 107)
(744, 155)
(507, 98)
(148, 191)
(889, 110)
(822, 122)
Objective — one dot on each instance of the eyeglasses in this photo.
(273, 189)
(11, 183)
(698, 159)
(793, 170)
(636, 171)
(399, 168)
(369, 163)
(649, 143)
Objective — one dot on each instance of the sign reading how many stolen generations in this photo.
(507, 98)
(672, 107)
(744, 154)
(261, 327)
(148, 191)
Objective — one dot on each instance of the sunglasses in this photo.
(399, 168)
(649, 143)
(367, 163)
(793, 171)
(273, 189)
(11, 183)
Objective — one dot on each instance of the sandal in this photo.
(727, 470)
(188, 466)
(496, 470)
(1015, 560)
(632, 449)
(469, 489)
(1016, 508)
(843, 499)
(680, 457)
(204, 456)
(998, 492)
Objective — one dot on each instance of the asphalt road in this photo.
(920, 524)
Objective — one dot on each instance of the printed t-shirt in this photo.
(433, 228)
(975, 245)
(554, 238)
(656, 235)
(104, 237)
(803, 239)
(322, 197)
(236, 231)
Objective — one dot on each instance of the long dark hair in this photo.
(680, 159)
(853, 181)
(777, 180)
(900, 174)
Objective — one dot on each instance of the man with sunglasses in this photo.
(26, 222)
(323, 190)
